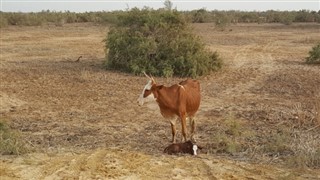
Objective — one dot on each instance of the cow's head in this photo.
(189, 144)
(147, 94)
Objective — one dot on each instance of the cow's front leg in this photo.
(193, 128)
(173, 130)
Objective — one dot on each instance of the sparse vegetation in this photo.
(277, 143)
(10, 140)
(293, 146)
(314, 55)
(158, 42)
(196, 16)
(57, 18)
(229, 137)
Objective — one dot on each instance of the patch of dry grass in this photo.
(52, 43)
(317, 109)
(306, 150)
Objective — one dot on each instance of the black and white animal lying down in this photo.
(187, 147)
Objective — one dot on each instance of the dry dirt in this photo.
(83, 122)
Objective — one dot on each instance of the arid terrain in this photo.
(259, 117)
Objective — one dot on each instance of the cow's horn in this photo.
(146, 75)
(152, 79)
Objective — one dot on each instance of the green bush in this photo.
(314, 55)
(287, 18)
(200, 16)
(159, 42)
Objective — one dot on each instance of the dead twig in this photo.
(78, 59)
(313, 128)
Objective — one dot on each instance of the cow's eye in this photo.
(146, 93)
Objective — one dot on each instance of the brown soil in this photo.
(83, 122)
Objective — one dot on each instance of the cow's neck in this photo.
(166, 105)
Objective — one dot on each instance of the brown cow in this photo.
(182, 100)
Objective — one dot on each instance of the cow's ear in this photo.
(160, 87)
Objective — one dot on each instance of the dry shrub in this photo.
(10, 141)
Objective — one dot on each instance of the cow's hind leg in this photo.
(173, 130)
(193, 128)
(184, 128)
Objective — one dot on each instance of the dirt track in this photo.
(83, 121)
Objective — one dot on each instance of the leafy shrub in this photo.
(314, 55)
(159, 42)
(25, 19)
(222, 21)
(200, 16)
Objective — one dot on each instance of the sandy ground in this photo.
(83, 122)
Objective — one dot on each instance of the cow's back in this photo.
(191, 91)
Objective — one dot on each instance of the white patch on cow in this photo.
(149, 98)
(195, 148)
(148, 86)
